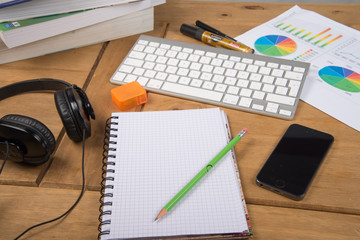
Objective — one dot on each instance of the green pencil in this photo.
(200, 175)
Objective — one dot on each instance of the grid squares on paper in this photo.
(157, 154)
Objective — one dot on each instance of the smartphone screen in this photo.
(292, 165)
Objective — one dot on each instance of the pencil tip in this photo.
(161, 214)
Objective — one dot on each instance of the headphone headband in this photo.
(32, 85)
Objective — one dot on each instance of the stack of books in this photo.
(31, 28)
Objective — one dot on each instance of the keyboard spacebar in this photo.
(191, 91)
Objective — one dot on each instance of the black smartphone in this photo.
(293, 164)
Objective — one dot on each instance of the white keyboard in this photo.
(227, 78)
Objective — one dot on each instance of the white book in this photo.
(26, 31)
(150, 157)
(130, 24)
(38, 8)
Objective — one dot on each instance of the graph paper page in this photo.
(157, 153)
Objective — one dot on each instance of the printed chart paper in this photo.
(333, 49)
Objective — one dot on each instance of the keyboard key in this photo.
(233, 90)
(231, 99)
(154, 84)
(243, 75)
(230, 81)
(294, 88)
(258, 107)
(150, 57)
(272, 65)
(265, 70)
(216, 62)
(280, 99)
(255, 85)
(281, 90)
(171, 69)
(245, 102)
(219, 70)
(272, 107)
(285, 67)
(173, 78)
(194, 74)
(243, 83)
(252, 68)
(142, 80)
(277, 72)
(161, 76)
(220, 87)
(139, 71)
(255, 77)
(165, 46)
(176, 48)
(134, 62)
(171, 54)
(138, 55)
(154, 44)
(148, 65)
(126, 69)
(259, 63)
(208, 85)
(299, 69)
(247, 60)
(245, 92)
(228, 64)
(205, 60)
(268, 79)
(196, 83)
(259, 95)
(192, 91)
(240, 66)
(184, 80)
(223, 56)
(218, 78)
(281, 81)
(119, 76)
(285, 112)
(130, 78)
(268, 88)
(293, 75)
(144, 42)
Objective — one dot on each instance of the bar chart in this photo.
(316, 36)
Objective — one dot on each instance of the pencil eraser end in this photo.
(245, 129)
(129, 95)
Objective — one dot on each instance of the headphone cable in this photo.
(6, 156)
(76, 202)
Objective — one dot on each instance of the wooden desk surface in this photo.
(30, 195)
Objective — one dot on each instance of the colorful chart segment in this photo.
(341, 78)
(275, 45)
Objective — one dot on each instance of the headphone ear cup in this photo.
(66, 115)
(46, 135)
(69, 107)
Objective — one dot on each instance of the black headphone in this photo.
(26, 139)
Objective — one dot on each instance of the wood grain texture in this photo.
(330, 209)
(32, 205)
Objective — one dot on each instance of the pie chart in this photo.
(341, 78)
(275, 45)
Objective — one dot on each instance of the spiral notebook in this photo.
(150, 156)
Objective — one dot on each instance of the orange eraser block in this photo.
(129, 95)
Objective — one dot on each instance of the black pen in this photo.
(213, 30)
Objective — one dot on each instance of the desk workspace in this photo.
(31, 195)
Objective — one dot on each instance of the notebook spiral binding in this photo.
(107, 171)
